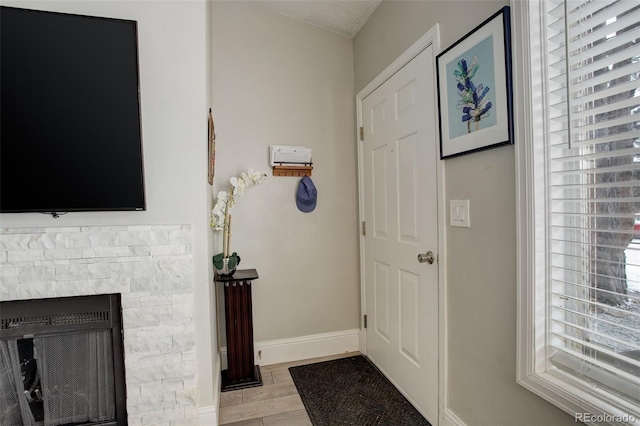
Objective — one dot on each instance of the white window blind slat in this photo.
(584, 316)
(558, 64)
(558, 25)
(589, 169)
(586, 347)
(558, 53)
(612, 135)
(590, 16)
(561, 246)
(570, 158)
(580, 73)
(577, 239)
(630, 104)
(584, 218)
(567, 229)
(561, 140)
(588, 110)
(597, 51)
(571, 341)
(602, 125)
(583, 263)
(581, 286)
(556, 10)
(617, 89)
(587, 31)
(600, 185)
(556, 39)
(569, 312)
(581, 9)
(562, 220)
(620, 229)
(620, 71)
(625, 233)
(579, 202)
(598, 335)
(571, 205)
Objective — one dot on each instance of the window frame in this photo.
(534, 370)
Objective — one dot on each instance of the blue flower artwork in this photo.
(471, 92)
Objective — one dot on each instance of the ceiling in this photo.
(344, 17)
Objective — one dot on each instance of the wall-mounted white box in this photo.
(280, 154)
(459, 213)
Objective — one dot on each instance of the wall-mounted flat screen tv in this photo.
(70, 127)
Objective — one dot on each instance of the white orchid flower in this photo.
(218, 210)
(256, 177)
(242, 185)
(221, 212)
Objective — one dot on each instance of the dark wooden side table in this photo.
(241, 372)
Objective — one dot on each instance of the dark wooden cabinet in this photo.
(241, 371)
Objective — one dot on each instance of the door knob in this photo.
(426, 257)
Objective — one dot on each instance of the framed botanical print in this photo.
(475, 100)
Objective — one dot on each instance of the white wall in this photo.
(481, 260)
(174, 55)
(281, 81)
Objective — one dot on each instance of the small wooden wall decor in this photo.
(298, 170)
(211, 147)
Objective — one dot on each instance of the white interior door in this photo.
(400, 213)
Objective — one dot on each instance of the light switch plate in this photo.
(459, 213)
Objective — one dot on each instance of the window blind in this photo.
(593, 187)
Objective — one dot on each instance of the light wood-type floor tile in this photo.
(252, 422)
(275, 403)
(268, 392)
(257, 409)
(230, 398)
(292, 418)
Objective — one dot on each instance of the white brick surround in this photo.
(151, 266)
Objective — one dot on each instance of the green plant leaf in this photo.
(217, 260)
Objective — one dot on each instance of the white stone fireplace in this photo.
(151, 267)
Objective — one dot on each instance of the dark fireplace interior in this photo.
(31, 378)
(62, 362)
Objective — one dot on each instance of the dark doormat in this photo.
(351, 391)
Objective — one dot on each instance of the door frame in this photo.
(431, 38)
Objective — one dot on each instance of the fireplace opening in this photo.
(62, 362)
(31, 378)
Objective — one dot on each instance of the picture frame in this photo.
(475, 94)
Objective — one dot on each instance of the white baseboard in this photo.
(305, 347)
(209, 414)
(450, 419)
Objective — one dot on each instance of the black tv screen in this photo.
(70, 137)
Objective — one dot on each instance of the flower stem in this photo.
(226, 236)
